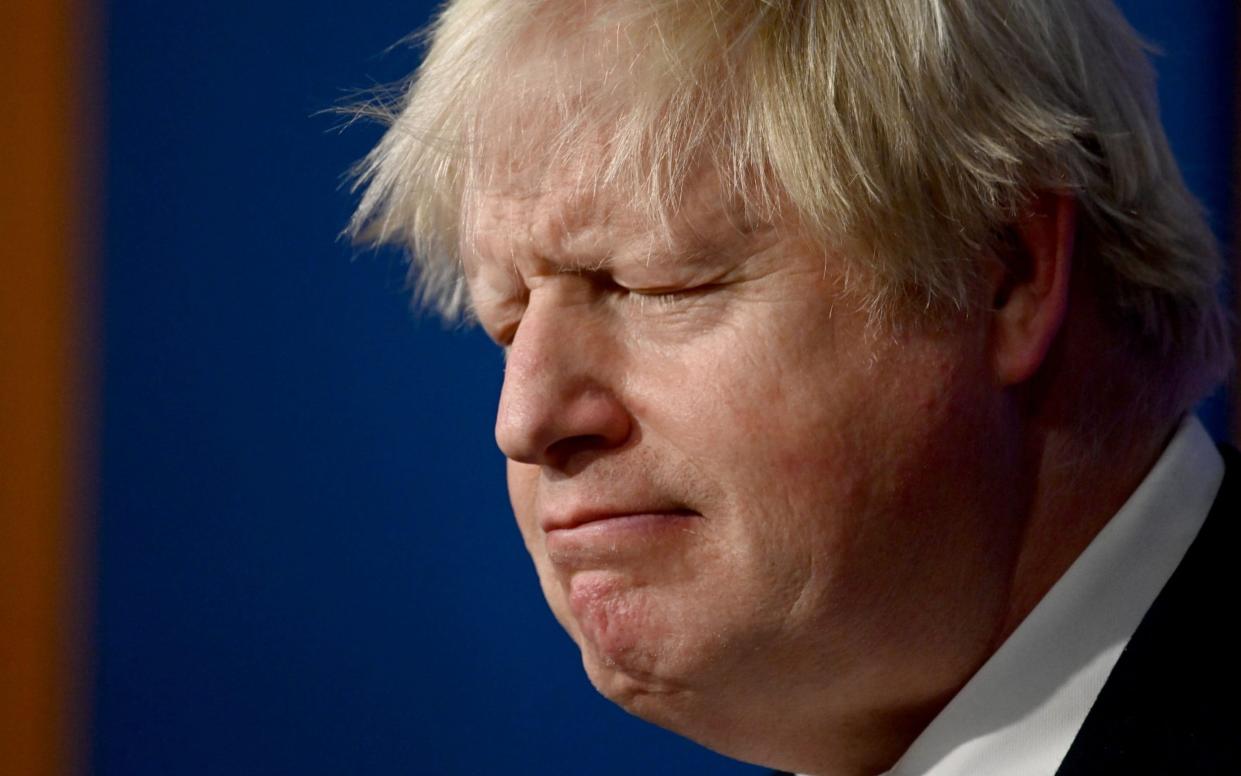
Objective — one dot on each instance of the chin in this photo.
(623, 683)
(617, 625)
(640, 653)
(667, 659)
(693, 707)
(658, 699)
(631, 640)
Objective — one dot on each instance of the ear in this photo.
(1031, 286)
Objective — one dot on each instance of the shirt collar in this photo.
(1018, 715)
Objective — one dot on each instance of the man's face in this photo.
(743, 506)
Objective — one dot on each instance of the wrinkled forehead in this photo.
(569, 216)
(586, 120)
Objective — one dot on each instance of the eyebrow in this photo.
(688, 248)
(697, 251)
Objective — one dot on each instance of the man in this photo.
(849, 350)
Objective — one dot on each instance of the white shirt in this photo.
(1018, 715)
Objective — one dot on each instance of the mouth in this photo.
(594, 520)
(600, 539)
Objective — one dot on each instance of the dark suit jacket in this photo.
(1170, 704)
(1169, 707)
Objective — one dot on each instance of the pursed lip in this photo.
(569, 519)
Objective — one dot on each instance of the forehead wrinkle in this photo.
(565, 225)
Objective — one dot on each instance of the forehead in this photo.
(571, 219)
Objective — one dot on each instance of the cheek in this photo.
(714, 402)
(522, 489)
(523, 482)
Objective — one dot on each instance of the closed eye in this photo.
(669, 297)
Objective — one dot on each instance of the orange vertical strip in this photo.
(41, 220)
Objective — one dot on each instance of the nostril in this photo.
(565, 448)
(572, 453)
(550, 419)
(558, 400)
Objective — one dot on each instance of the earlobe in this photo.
(1030, 295)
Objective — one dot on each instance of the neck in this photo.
(1082, 486)
(1091, 436)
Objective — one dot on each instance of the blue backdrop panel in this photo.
(306, 560)
(1196, 57)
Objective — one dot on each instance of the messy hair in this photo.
(911, 131)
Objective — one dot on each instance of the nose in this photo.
(557, 404)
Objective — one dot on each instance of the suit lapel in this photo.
(1169, 705)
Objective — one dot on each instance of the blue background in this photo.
(306, 563)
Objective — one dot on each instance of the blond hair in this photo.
(912, 131)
